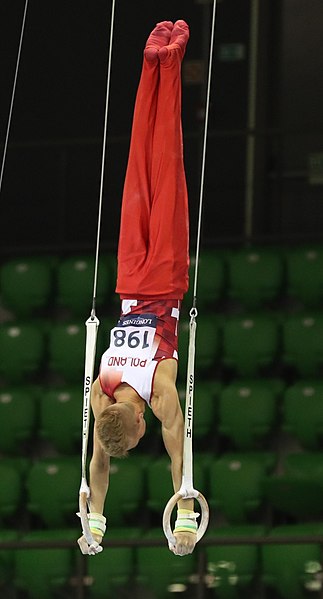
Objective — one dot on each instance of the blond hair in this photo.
(110, 427)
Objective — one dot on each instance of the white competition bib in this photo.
(133, 336)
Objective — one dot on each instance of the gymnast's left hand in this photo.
(87, 549)
(185, 543)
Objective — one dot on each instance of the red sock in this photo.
(177, 43)
(159, 37)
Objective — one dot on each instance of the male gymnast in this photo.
(139, 368)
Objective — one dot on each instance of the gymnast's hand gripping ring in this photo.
(187, 490)
(170, 506)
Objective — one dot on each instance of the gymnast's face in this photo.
(137, 432)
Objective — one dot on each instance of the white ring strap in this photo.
(92, 323)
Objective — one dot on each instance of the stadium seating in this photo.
(53, 490)
(66, 347)
(17, 418)
(126, 490)
(302, 343)
(7, 560)
(232, 569)
(60, 418)
(302, 412)
(113, 569)
(160, 570)
(247, 411)
(206, 394)
(293, 569)
(11, 490)
(211, 280)
(304, 273)
(236, 484)
(250, 343)
(297, 490)
(255, 275)
(21, 351)
(207, 345)
(41, 571)
(26, 284)
(241, 416)
(75, 279)
(159, 482)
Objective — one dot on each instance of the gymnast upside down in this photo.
(139, 369)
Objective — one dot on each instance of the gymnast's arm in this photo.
(100, 461)
(99, 476)
(99, 465)
(166, 407)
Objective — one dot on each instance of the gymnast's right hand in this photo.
(90, 549)
(97, 525)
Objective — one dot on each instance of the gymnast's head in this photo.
(119, 428)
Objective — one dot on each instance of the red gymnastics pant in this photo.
(153, 243)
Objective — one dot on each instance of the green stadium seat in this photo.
(205, 406)
(211, 281)
(10, 490)
(255, 276)
(53, 490)
(250, 343)
(276, 385)
(7, 560)
(126, 490)
(232, 569)
(60, 418)
(247, 411)
(75, 279)
(304, 273)
(21, 351)
(66, 346)
(17, 418)
(113, 569)
(159, 570)
(159, 482)
(41, 572)
(302, 412)
(26, 284)
(297, 490)
(302, 340)
(207, 345)
(293, 570)
(236, 484)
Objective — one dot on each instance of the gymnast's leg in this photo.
(136, 201)
(167, 262)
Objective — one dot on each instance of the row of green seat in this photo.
(245, 345)
(292, 570)
(240, 487)
(31, 283)
(253, 343)
(251, 275)
(34, 348)
(245, 413)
